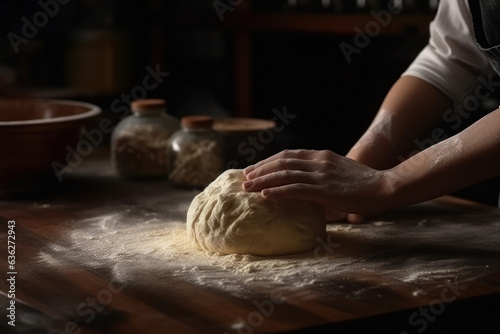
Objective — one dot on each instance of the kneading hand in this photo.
(335, 182)
(333, 215)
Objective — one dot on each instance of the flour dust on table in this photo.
(137, 247)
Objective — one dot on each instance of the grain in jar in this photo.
(195, 153)
(139, 142)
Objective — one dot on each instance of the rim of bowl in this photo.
(93, 111)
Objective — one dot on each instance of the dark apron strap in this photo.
(475, 9)
(491, 52)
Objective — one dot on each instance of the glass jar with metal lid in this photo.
(139, 142)
(195, 153)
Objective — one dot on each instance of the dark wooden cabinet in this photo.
(243, 21)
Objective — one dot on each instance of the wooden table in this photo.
(90, 258)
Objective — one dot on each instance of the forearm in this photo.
(462, 160)
(411, 108)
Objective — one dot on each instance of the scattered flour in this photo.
(381, 126)
(382, 223)
(351, 261)
(42, 206)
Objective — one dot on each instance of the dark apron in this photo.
(492, 53)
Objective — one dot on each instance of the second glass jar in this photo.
(195, 153)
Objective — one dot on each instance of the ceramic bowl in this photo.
(35, 136)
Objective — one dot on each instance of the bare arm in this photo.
(463, 160)
(411, 108)
(346, 185)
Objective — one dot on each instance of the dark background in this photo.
(97, 50)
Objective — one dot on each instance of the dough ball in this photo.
(226, 219)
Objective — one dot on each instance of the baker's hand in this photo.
(323, 177)
(333, 215)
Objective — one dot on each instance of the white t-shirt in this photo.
(451, 61)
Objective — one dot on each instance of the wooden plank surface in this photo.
(103, 255)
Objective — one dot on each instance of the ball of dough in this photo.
(226, 219)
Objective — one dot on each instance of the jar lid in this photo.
(197, 122)
(148, 105)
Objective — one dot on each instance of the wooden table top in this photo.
(99, 254)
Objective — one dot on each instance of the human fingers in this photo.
(333, 215)
(355, 219)
(291, 154)
(281, 178)
(282, 164)
(297, 191)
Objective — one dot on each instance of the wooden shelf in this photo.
(324, 23)
(243, 22)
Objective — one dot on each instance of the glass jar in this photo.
(195, 153)
(139, 142)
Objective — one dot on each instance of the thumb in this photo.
(355, 219)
